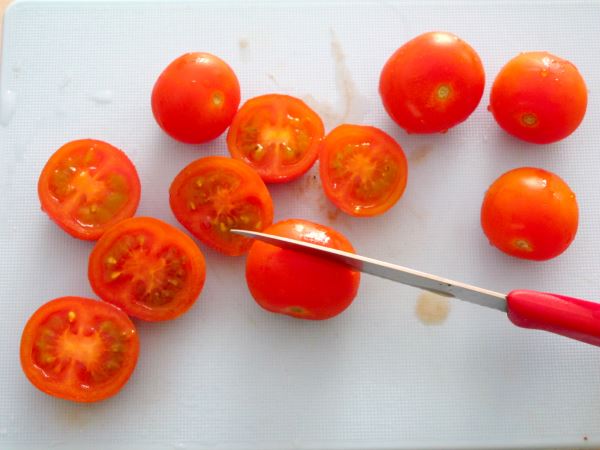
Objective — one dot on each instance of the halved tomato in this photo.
(87, 186)
(79, 349)
(212, 195)
(277, 135)
(363, 170)
(148, 268)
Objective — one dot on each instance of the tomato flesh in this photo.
(79, 349)
(277, 135)
(298, 284)
(87, 186)
(432, 83)
(363, 170)
(148, 268)
(215, 194)
(530, 213)
(539, 97)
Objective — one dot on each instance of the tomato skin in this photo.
(86, 174)
(297, 284)
(214, 194)
(363, 170)
(195, 98)
(539, 97)
(530, 213)
(432, 83)
(38, 352)
(148, 268)
(277, 135)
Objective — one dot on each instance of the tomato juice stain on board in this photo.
(351, 105)
(332, 214)
(432, 309)
(420, 154)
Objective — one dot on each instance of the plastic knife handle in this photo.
(567, 316)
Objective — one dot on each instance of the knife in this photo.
(571, 317)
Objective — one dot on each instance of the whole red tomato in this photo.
(195, 98)
(530, 213)
(298, 284)
(432, 83)
(539, 97)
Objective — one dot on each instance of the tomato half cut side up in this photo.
(212, 195)
(299, 284)
(87, 186)
(79, 349)
(363, 170)
(277, 135)
(148, 268)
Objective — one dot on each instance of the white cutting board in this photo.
(228, 375)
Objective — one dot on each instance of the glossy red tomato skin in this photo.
(59, 334)
(539, 97)
(297, 284)
(530, 213)
(195, 98)
(432, 83)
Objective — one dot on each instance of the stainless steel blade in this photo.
(404, 275)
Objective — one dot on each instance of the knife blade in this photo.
(382, 269)
(568, 316)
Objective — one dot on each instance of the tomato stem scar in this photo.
(218, 98)
(71, 316)
(529, 119)
(523, 244)
(443, 92)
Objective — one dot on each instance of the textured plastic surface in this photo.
(228, 375)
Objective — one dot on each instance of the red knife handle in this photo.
(567, 316)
